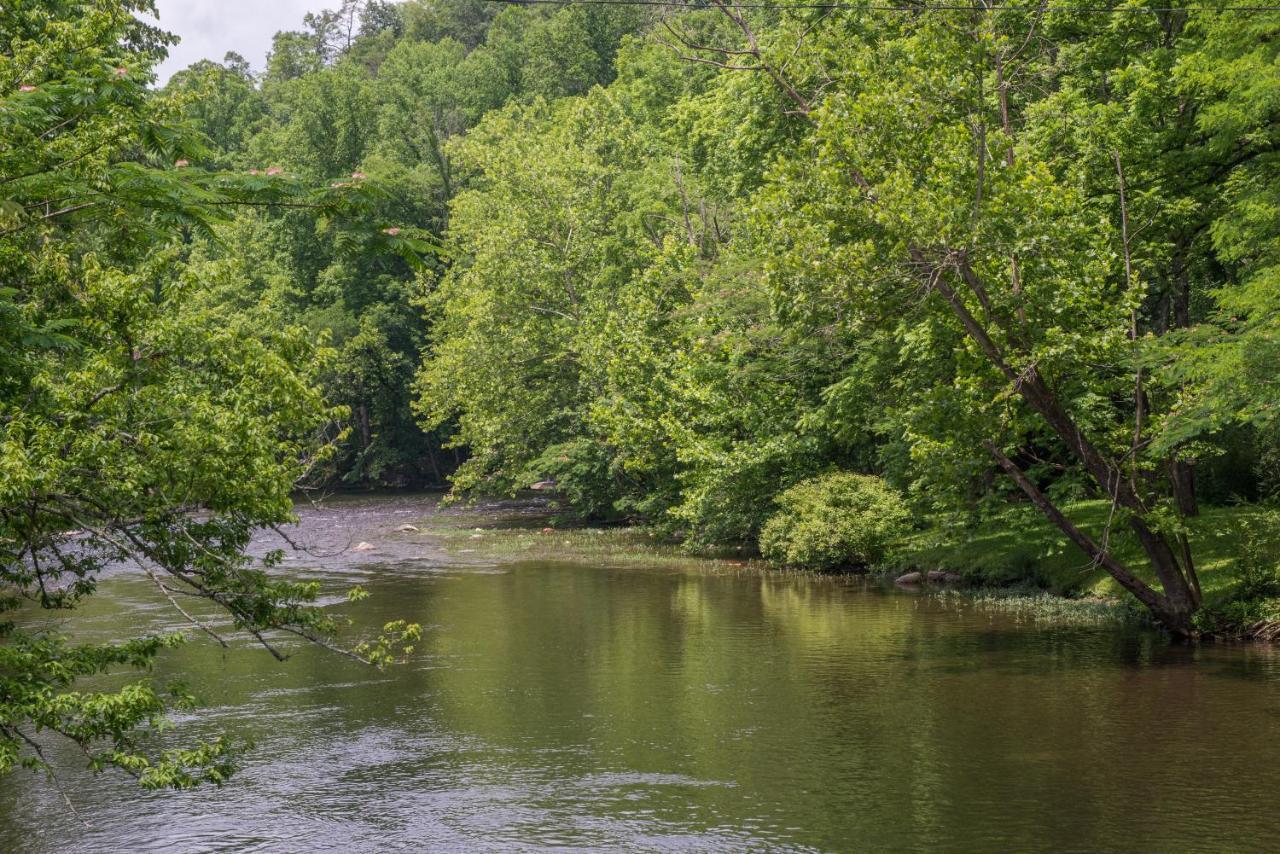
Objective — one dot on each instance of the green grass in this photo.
(1021, 546)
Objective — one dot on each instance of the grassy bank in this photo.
(1019, 546)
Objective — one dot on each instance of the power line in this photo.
(874, 7)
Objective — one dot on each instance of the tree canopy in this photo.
(142, 418)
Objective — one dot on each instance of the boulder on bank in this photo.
(910, 579)
(939, 576)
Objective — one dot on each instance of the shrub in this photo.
(1259, 562)
(726, 496)
(834, 521)
(588, 480)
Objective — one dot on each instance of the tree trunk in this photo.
(1173, 609)
(1087, 544)
(435, 464)
(1182, 475)
(362, 423)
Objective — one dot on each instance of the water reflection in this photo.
(562, 706)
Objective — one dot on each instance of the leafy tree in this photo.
(139, 418)
(464, 21)
(380, 16)
(1225, 367)
(334, 31)
(223, 102)
(431, 92)
(293, 54)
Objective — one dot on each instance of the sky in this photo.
(210, 28)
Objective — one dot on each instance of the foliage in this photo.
(371, 94)
(222, 102)
(834, 521)
(983, 253)
(141, 418)
(546, 250)
(683, 265)
(1259, 561)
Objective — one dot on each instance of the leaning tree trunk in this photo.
(1176, 604)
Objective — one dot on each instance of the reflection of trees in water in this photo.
(640, 701)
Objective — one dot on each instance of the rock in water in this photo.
(408, 529)
(364, 547)
(911, 578)
(939, 576)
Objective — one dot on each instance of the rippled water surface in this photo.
(570, 706)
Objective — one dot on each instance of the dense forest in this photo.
(810, 281)
(688, 259)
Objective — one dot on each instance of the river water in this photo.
(595, 707)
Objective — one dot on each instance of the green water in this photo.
(563, 706)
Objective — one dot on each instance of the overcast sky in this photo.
(210, 28)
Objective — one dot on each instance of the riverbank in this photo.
(519, 533)
(523, 533)
(1235, 550)
(1014, 562)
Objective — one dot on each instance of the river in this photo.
(563, 705)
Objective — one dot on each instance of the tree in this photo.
(223, 102)
(380, 16)
(545, 260)
(1225, 367)
(464, 21)
(139, 419)
(946, 197)
(293, 54)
